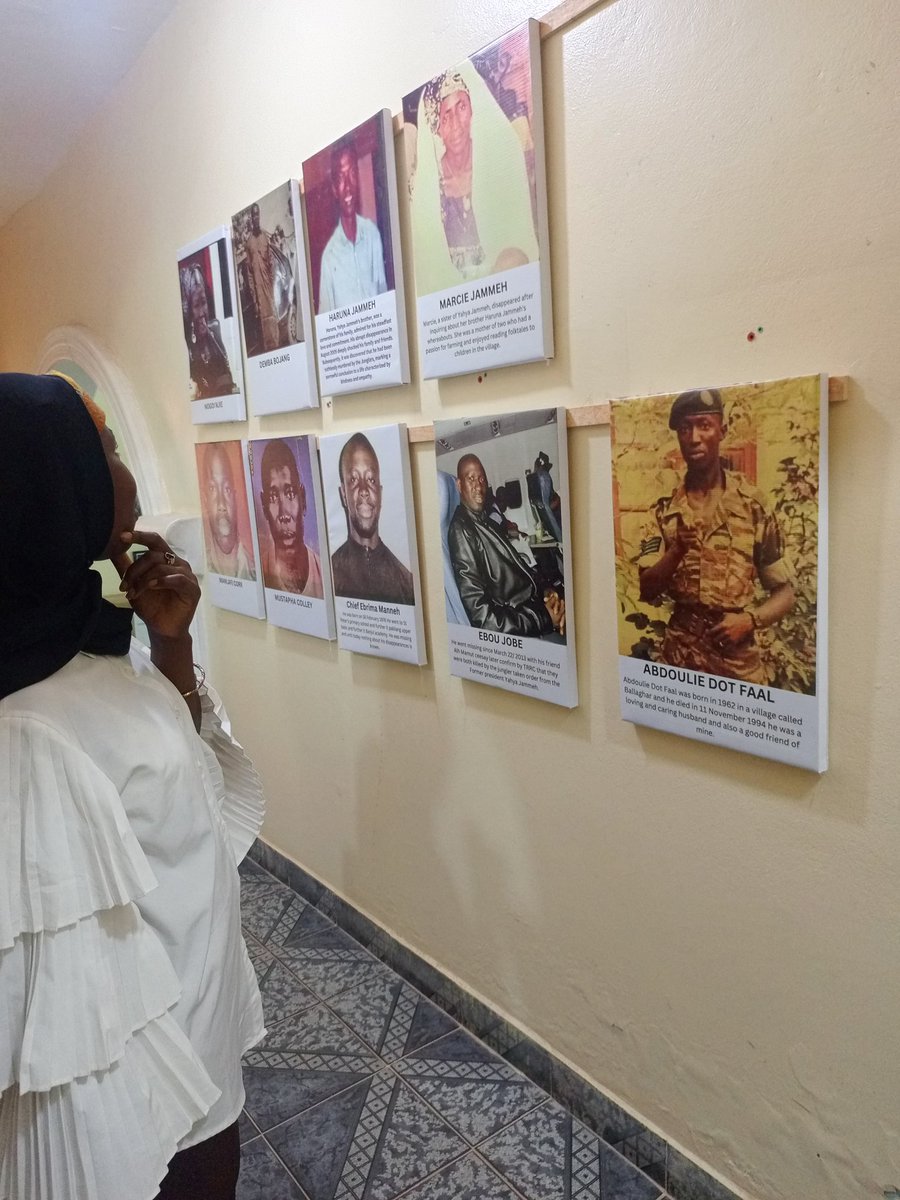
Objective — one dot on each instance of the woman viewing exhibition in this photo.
(126, 994)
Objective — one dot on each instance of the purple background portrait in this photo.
(299, 448)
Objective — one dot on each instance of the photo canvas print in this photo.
(474, 137)
(211, 335)
(270, 264)
(720, 521)
(503, 504)
(290, 524)
(232, 553)
(350, 195)
(371, 532)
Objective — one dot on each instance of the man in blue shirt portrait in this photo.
(352, 267)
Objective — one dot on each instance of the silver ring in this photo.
(170, 558)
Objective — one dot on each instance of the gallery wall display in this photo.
(211, 334)
(290, 525)
(475, 155)
(719, 495)
(720, 514)
(350, 193)
(503, 501)
(371, 532)
(233, 579)
(273, 289)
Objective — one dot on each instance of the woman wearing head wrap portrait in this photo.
(471, 197)
(125, 988)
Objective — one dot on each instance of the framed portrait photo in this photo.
(720, 520)
(350, 194)
(211, 335)
(478, 199)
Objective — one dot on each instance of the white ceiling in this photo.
(59, 59)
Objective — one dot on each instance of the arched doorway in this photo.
(76, 352)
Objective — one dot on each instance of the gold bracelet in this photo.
(201, 679)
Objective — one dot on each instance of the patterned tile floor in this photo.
(364, 1090)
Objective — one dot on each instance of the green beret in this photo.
(690, 404)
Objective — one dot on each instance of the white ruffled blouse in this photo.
(126, 994)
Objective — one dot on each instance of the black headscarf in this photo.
(56, 518)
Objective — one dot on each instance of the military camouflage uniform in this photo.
(739, 544)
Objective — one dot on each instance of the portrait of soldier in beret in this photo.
(713, 547)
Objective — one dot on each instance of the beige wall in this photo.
(712, 938)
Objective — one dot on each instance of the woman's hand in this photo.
(161, 588)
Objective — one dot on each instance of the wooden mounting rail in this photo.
(598, 414)
(564, 14)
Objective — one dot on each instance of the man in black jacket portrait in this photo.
(497, 589)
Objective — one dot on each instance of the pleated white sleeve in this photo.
(236, 782)
(98, 1084)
